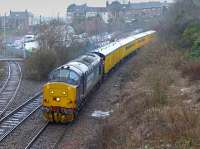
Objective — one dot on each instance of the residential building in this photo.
(115, 9)
(17, 20)
(86, 11)
(20, 19)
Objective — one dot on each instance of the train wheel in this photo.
(75, 115)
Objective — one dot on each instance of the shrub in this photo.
(192, 70)
(177, 126)
(157, 81)
(191, 34)
(39, 64)
(195, 53)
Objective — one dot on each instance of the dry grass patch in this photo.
(151, 113)
(192, 70)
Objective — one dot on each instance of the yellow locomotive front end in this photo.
(60, 95)
(59, 102)
(64, 94)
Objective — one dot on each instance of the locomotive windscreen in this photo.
(65, 75)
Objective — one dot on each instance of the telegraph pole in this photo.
(4, 27)
(4, 34)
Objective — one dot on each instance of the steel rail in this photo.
(6, 81)
(15, 118)
(37, 135)
(15, 92)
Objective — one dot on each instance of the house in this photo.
(115, 9)
(17, 20)
(97, 11)
(4, 21)
(76, 10)
(145, 9)
(20, 19)
(86, 11)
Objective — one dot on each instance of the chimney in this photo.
(107, 3)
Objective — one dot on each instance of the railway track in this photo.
(16, 117)
(5, 79)
(37, 135)
(50, 141)
(10, 86)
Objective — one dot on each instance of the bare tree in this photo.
(51, 34)
(1, 43)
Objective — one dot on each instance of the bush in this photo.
(39, 64)
(192, 70)
(191, 33)
(157, 81)
(195, 53)
(182, 126)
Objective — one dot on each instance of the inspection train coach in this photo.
(69, 84)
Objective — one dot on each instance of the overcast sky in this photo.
(47, 7)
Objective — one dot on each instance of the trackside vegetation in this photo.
(191, 37)
(159, 102)
(53, 51)
(42, 62)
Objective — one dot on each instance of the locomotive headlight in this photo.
(64, 93)
(57, 99)
(51, 92)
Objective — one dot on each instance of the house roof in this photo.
(96, 9)
(20, 13)
(85, 8)
(145, 5)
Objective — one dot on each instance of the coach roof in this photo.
(106, 50)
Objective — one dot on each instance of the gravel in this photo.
(24, 133)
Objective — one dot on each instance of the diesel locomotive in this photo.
(69, 84)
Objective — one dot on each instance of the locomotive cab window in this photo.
(73, 78)
(65, 75)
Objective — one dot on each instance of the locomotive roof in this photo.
(106, 50)
(83, 63)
